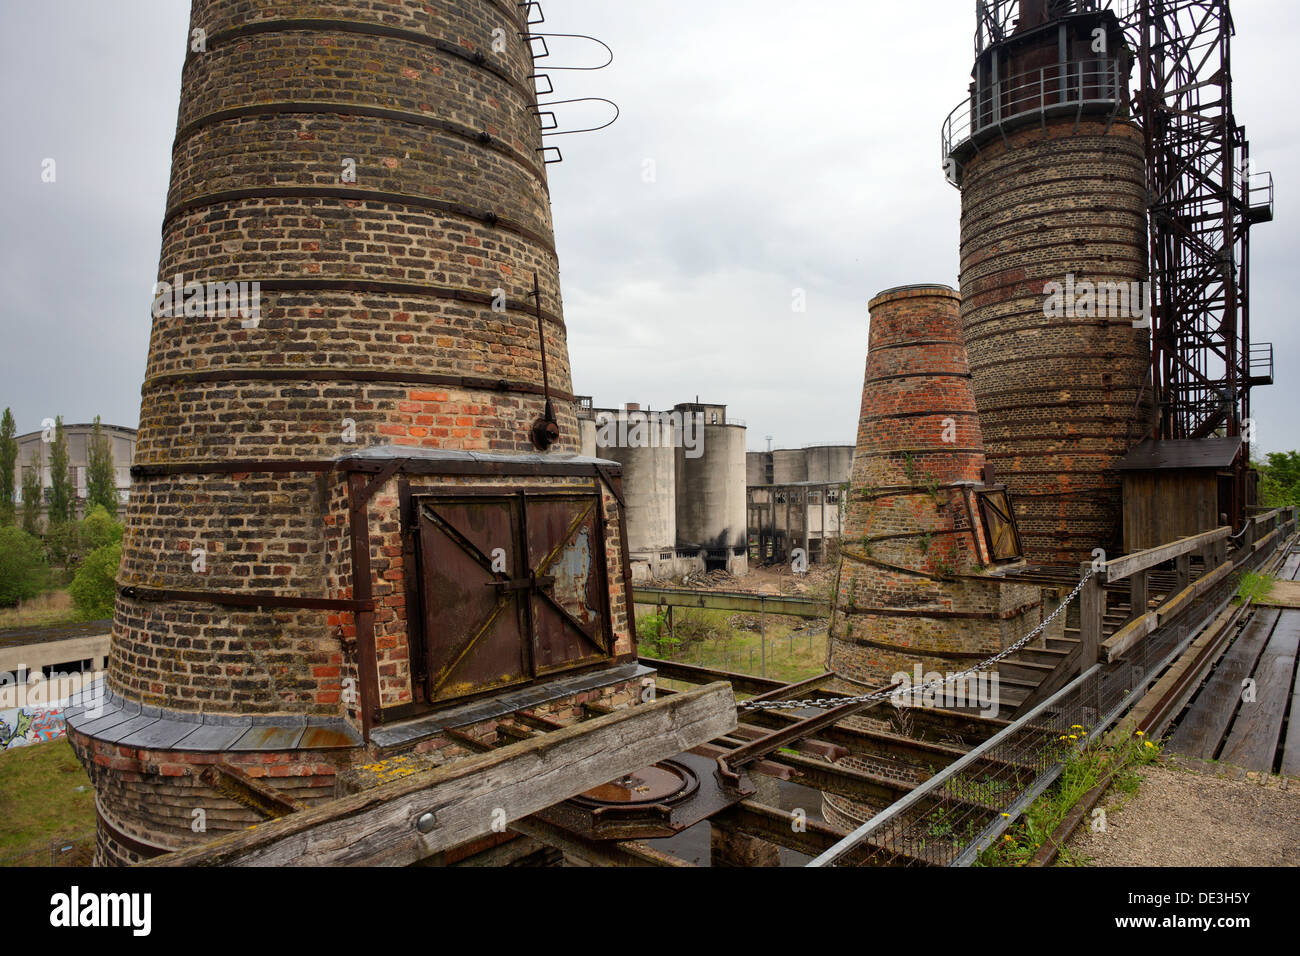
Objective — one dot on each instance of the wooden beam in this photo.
(1092, 610)
(728, 601)
(466, 798)
(621, 853)
(1127, 636)
(1130, 564)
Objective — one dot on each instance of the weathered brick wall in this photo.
(376, 282)
(1058, 397)
(376, 166)
(910, 589)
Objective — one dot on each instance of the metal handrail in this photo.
(1077, 83)
(1260, 191)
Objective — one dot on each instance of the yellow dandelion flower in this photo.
(1151, 745)
(1074, 736)
(1141, 733)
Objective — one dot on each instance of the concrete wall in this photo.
(829, 462)
(789, 465)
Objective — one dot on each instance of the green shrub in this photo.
(94, 587)
(24, 572)
(99, 530)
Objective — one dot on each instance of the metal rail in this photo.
(1074, 86)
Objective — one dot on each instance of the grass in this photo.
(1084, 770)
(51, 608)
(1254, 586)
(724, 640)
(40, 800)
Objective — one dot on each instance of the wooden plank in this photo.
(1127, 636)
(1213, 708)
(1291, 749)
(467, 797)
(622, 853)
(1130, 564)
(1256, 732)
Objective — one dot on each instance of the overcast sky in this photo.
(789, 146)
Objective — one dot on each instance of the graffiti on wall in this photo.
(30, 726)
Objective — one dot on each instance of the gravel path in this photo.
(1179, 818)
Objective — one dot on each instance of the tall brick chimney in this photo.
(357, 496)
(912, 585)
(1054, 200)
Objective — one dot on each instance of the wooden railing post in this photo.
(1092, 611)
(1139, 594)
(1183, 571)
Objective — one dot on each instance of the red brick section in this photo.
(1058, 397)
(911, 584)
(419, 266)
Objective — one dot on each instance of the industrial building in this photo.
(684, 484)
(405, 569)
(34, 453)
(794, 502)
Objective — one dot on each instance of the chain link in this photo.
(824, 702)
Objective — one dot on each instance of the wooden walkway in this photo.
(1253, 726)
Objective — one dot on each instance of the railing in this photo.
(957, 814)
(997, 19)
(1082, 83)
(1260, 197)
(1261, 361)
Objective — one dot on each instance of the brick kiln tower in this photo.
(912, 584)
(359, 502)
(1053, 183)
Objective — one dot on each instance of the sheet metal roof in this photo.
(1199, 453)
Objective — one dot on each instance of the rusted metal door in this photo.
(513, 587)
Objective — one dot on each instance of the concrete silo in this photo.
(644, 444)
(711, 498)
(1053, 259)
(829, 463)
(789, 466)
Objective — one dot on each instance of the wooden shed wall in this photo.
(1162, 506)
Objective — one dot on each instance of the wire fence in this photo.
(77, 850)
(954, 816)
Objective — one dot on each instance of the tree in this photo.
(8, 464)
(101, 478)
(62, 494)
(23, 572)
(32, 497)
(94, 587)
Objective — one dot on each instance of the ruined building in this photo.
(1053, 237)
(684, 480)
(359, 503)
(794, 501)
